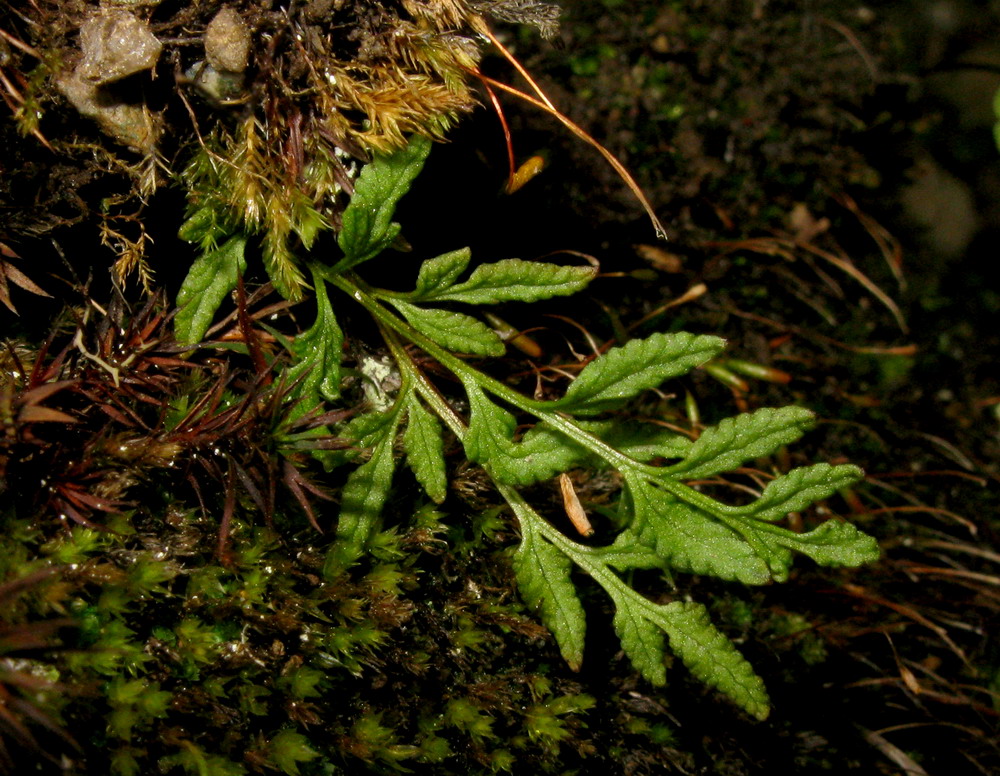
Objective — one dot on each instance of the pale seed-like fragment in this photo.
(574, 509)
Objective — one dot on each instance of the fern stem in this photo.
(463, 371)
(411, 372)
(392, 325)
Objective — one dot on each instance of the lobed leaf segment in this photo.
(667, 523)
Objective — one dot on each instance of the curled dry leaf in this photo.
(574, 509)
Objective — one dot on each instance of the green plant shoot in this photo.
(666, 522)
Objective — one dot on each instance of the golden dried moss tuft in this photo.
(276, 101)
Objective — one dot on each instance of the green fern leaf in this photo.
(628, 552)
(688, 540)
(544, 451)
(424, 450)
(642, 641)
(439, 273)
(367, 429)
(742, 438)
(543, 577)
(318, 352)
(710, 656)
(212, 276)
(798, 489)
(640, 442)
(367, 227)
(641, 364)
(491, 428)
(833, 543)
(455, 331)
(516, 280)
(362, 499)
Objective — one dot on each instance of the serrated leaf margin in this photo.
(543, 578)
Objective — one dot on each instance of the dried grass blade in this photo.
(847, 267)
(618, 167)
(495, 101)
(891, 250)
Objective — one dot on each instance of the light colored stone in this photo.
(132, 125)
(115, 45)
(227, 42)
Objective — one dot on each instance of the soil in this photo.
(830, 124)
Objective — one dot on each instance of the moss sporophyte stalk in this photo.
(212, 544)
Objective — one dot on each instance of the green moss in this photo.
(147, 575)
(192, 759)
(303, 683)
(197, 643)
(545, 722)
(464, 715)
(794, 632)
(134, 703)
(76, 546)
(287, 749)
